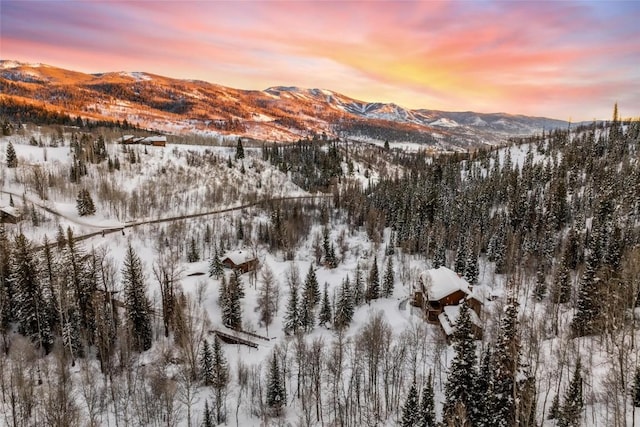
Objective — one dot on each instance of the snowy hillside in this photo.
(130, 315)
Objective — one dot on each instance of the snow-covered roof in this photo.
(449, 318)
(10, 210)
(239, 257)
(155, 139)
(440, 282)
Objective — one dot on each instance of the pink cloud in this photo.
(541, 58)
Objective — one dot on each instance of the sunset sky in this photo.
(557, 59)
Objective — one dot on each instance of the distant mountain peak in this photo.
(281, 113)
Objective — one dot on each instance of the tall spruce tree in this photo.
(636, 388)
(325, 310)
(216, 268)
(506, 361)
(373, 288)
(587, 304)
(427, 405)
(388, 282)
(483, 392)
(471, 270)
(231, 307)
(276, 397)
(7, 305)
(571, 411)
(206, 364)
(31, 308)
(136, 302)
(344, 306)
(207, 419)
(411, 410)
(461, 258)
(311, 287)
(292, 315)
(358, 287)
(462, 373)
(220, 379)
(192, 253)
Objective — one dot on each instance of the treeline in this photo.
(15, 113)
(313, 166)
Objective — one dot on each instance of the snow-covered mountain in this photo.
(277, 113)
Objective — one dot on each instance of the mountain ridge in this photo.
(280, 113)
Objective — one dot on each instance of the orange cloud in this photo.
(543, 58)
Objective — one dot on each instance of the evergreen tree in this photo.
(461, 258)
(554, 411)
(482, 392)
(80, 283)
(344, 306)
(506, 360)
(84, 203)
(12, 158)
(216, 268)
(307, 314)
(358, 287)
(388, 283)
(292, 316)
(471, 270)
(136, 302)
(239, 150)
(31, 308)
(325, 310)
(562, 283)
(332, 260)
(587, 304)
(326, 246)
(373, 290)
(7, 291)
(411, 411)
(231, 308)
(461, 378)
(276, 398)
(192, 254)
(439, 258)
(572, 408)
(206, 364)
(207, 419)
(220, 378)
(540, 290)
(311, 287)
(636, 389)
(61, 240)
(427, 405)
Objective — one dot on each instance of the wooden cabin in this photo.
(9, 215)
(156, 141)
(439, 293)
(241, 260)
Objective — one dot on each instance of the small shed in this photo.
(9, 214)
(241, 260)
(441, 288)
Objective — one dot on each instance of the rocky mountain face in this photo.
(275, 114)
